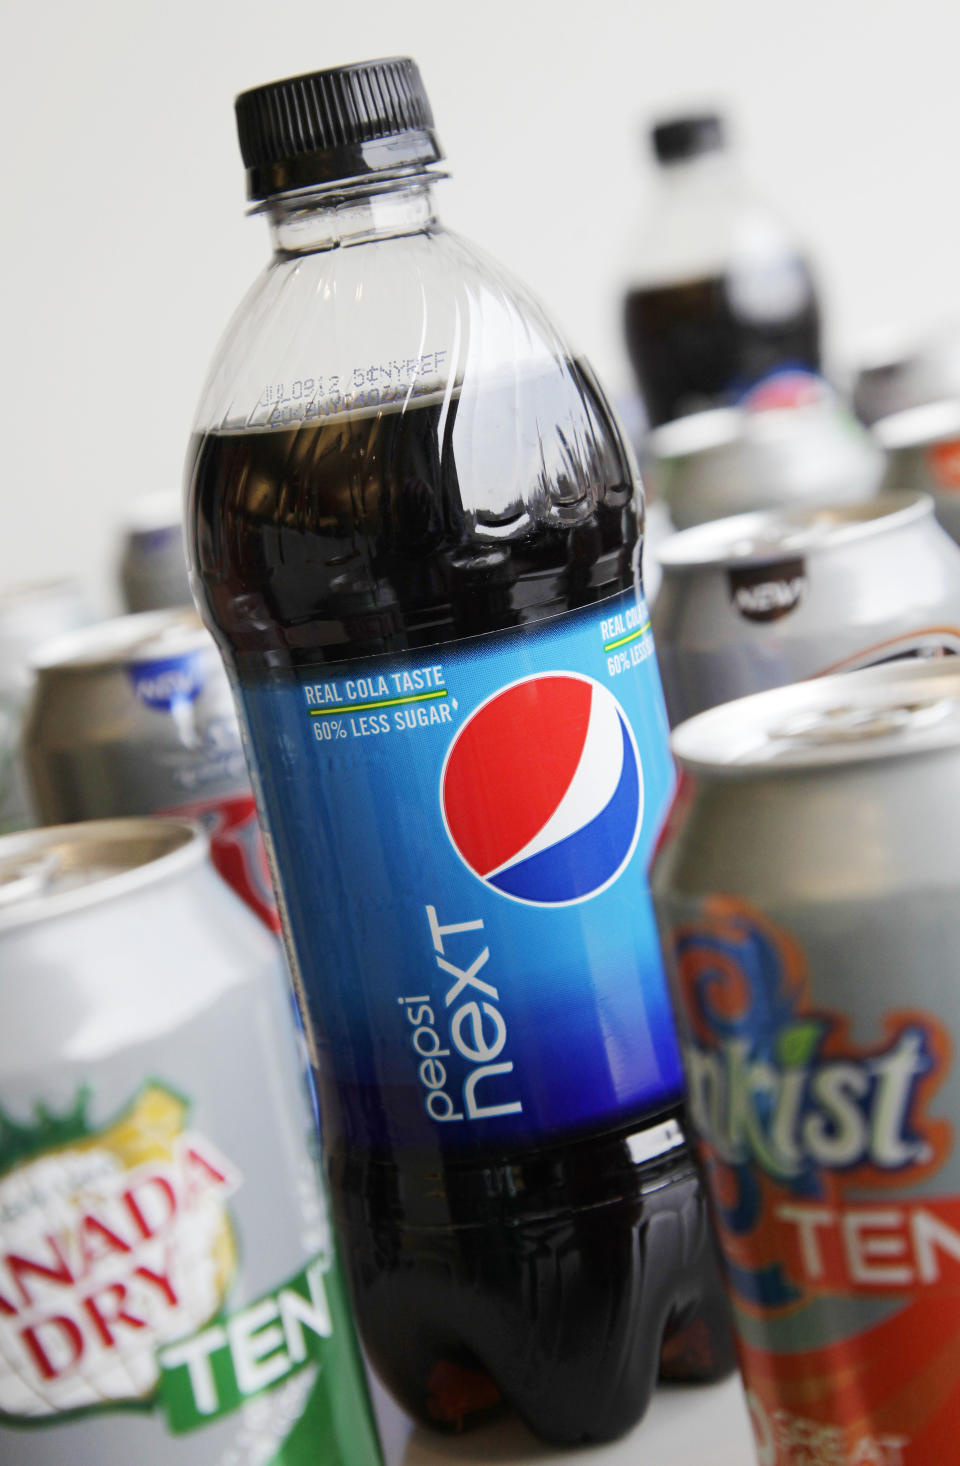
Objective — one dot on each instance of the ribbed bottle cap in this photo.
(687, 137)
(348, 122)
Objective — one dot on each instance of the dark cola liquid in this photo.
(693, 346)
(348, 536)
(547, 1279)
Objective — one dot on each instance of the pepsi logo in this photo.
(542, 790)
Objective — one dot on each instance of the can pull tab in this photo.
(23, 877)
(849, 723)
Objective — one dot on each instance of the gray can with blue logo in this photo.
(135, 717)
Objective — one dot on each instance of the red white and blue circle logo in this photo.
(542, 790)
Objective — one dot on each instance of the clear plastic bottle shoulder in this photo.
(380, 417)
(701, 221)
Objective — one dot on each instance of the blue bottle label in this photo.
(462, 837)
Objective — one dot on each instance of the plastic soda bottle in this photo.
(415, 532)
(722, 306)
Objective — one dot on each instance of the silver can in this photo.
(153, 562)
(760, 600)
(923, 452)
(135, 716)
(168, 1290)
(730, 461)
(899, 372)
(29, 616)
(807, 892)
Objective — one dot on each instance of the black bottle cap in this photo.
(687, 137)
(347, 122)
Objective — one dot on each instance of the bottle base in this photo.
(568, 1316)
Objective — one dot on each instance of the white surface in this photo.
(126, 248)
(685, 1426)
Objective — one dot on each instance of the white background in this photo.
(704, 1425)
(125, 246)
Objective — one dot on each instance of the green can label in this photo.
(120, 1262)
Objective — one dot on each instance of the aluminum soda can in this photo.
(153, 562)
(731, 460)
(760, 600)
(923, 452)
(898, 372)
(168, 1290)
(29, 616)
(806, 891)
(135, 716)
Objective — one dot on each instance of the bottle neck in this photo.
(341, 214)
(711, 170)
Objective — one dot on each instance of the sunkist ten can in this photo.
(806, 893)
(168, 1293)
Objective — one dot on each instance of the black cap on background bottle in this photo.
(349, 121)
(678, 138)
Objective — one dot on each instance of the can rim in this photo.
(123, 641)
(900, 710)
(748, 539)
(917, 427)
(161, 509)
(29, 592)
(696, 432)
(168, 848)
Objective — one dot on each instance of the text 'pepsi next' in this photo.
(414, 532)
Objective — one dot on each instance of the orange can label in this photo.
(943, 460)
(831, 1173)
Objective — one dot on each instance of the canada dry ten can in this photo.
(806, 893)
(760, 600)
(168, 1295)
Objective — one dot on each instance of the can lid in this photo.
(48, 872)
(144, 637)
(148, 513)
(915, 427)
(34, 593)
(677, 138)
(697, 432)
(766, 536)
(897, 710)
(344, 123)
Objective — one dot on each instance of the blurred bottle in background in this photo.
(721, 297)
